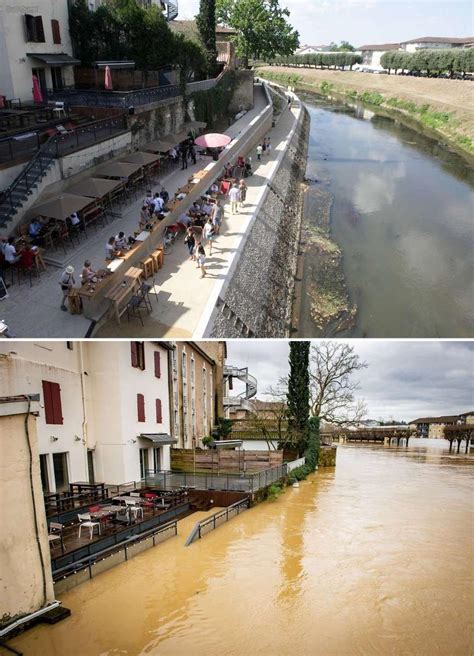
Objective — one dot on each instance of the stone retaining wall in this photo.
(258, 299)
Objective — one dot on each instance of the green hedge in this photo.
(445, 60)
(320, 60)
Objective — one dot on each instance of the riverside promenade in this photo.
(184, 301)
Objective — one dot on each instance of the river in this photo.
(402, 213)
(372, 557)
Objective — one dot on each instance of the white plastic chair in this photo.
(58, 109)
(135, 509)
(85, 520)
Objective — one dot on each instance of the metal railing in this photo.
(245, 482)
(121, 99)
(294, 464)
(56, 146)
(221, 517)
(87, 561)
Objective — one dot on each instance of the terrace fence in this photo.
(217, 519)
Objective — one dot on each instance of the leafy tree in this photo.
(298, 394)
(206, 24)
(263, 30)
(332, 388)
(223, 428)
(345, 46)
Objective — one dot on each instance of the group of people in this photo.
(185, 151)
(264, 148)
(153, 207)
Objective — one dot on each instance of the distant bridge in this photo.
(386, 435)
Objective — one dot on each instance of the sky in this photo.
(369, 21)
(404, 380)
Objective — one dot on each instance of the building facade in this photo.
(104, 407)
(433, 427)
(436, 43)
(34, 40)
(196, 390)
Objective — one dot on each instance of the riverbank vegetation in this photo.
(341, 60)
(442, 106)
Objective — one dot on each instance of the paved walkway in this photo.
(182, 296)
(184, 299)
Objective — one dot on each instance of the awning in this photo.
(115, 64)
(115, 169)
(139, 157)
(55, 59)
(94, 187)
(60, 207)
(159, 439)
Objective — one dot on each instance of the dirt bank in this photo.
(451, 102)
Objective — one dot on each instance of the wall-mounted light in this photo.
(132, 441)
(53, 438)
(77, 438)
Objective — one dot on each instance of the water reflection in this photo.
(404, 222)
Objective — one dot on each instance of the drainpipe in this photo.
(84, 406)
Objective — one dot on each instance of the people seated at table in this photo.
(111, 251)
(88, 274)
(9, 251)
(27, 256)
(206, 207)
(241, 161)
(148, 201)
(121, 242)
(213, 189)
(35, 230)
(185, 219)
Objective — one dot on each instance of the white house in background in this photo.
(104, 407)
(34, 40)
(435, 42)
(311, 50)
(372, 53)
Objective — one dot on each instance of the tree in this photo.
(332, 387)
(206, 24)
(270, 422)
(298, 394)
(345, 46)
(263, 31)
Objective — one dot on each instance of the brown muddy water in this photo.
(372, 557)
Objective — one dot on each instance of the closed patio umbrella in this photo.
(108, 79)
(37, 95)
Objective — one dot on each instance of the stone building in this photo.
(433, 427)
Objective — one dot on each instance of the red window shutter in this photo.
(157, 364)
(56, 31)
(159, 418)
(140, 407)
(29, 27)
(52, 402)
(134, 354)
(48, 402)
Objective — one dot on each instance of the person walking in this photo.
(201, 259)
(269, 147)
(248, 167)
(184, 158)
(259, 152)
(190, 242)
(242, 192)
(216, 216)
(234, 196)
(264, 146)
(67, 283)
(209, 233)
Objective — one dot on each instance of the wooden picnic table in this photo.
(85, 487)
(128, 285)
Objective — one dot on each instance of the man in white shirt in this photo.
(9, 251)
(234, 197)
(159, 204)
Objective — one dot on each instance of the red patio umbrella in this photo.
(108, 79)
(37, 95)
(213, 140)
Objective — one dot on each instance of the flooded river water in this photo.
(372, 557)
(402, 213)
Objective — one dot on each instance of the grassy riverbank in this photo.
(444, 107)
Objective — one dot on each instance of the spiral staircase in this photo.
(242, 400)
(170, 9)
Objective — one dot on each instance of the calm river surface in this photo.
(374, 557)
(402, 213)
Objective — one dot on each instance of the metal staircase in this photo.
(241, 401)
(170, 9)
(27, 181)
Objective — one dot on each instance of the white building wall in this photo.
(22, 370)
(16, 67)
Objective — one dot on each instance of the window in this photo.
(137, 353)
(157, 357)
(143, 462)
(56, 31)
(52, 402)
(140, 407)
(70, 346)
(34, 28)
(184, 371)
(44, 472)
(159, 417)
(90, 465)
(60, 471)
(157, 459)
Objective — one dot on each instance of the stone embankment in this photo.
(258, 298)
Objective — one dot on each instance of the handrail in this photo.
(44, 156)
(196, 533)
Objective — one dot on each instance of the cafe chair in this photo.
(59, 110)
(135, 509)
(55, 534)
(86, 522)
